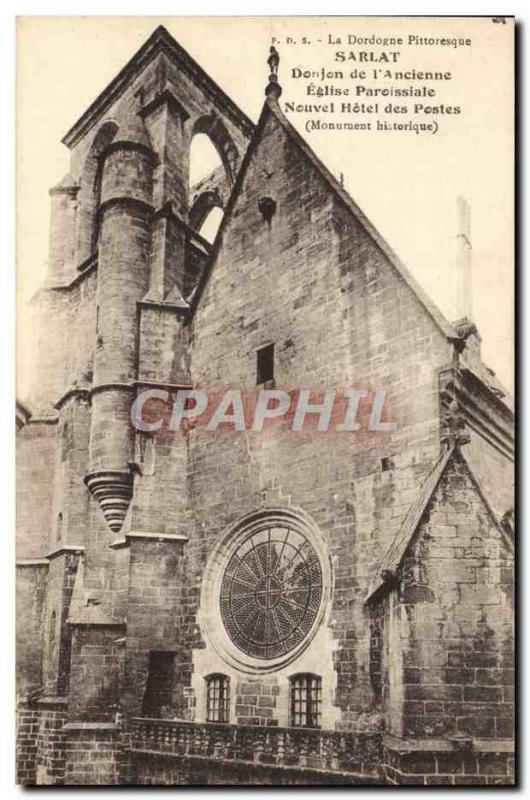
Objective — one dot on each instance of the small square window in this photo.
(265, 365)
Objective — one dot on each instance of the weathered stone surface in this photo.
(120, 532)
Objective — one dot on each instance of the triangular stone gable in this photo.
(272, 112)
(451, 512)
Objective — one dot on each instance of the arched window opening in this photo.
(202, 203)
(204, 159)
(211, 224)
(306, 700)
(217, 698)
(89, 194)
(214, 128)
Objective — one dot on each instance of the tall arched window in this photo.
(217, 698)
(205, 202)
(306, 700)
(204, 158)
(89, 194)
(210, 226)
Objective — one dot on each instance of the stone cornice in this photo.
(72, 549)
(447, 745)
(43, 419)
(32, 562)
(105, 387)
(126, 144)
(162, 305)
(484, 412)
(157, 537)
(171, 387)
(81, 394)
(87, 393)
(52, 701)
(147, 208)
(91, 261)
(159, 41)
(69, 190)
(90, 726)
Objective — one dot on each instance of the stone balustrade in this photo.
(298, 748)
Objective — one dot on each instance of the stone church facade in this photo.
(250, 607)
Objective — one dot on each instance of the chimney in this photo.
(464, 300)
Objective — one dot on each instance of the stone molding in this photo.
(178, 538)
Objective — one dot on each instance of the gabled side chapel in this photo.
(271, 608)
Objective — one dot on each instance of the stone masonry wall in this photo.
(96, 674)
(314, 283)
(31, 584)
(160, 617)
(93, 754)
(35, 462)
(454, 621)
(28, 717)
(256, 702)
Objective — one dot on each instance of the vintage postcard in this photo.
(265, 446)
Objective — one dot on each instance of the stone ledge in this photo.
(43, 419)
(33, 562)
(78, 549)
(446, 745)
(161, 537)
(90, 726)
(52, 701)
(163, 305)
(170, 387)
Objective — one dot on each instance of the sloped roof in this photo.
(159, 41)
(271, 107)
(403, 538)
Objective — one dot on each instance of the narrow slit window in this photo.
(217, 698)
(265, 365)
(306, 701)
(59, 531)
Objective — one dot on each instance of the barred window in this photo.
(306, 700)
(217, 698)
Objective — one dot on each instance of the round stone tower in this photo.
(123, 218)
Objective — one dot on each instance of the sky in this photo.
(407, 184)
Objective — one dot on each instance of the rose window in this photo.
(271, 592)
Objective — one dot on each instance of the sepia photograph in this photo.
(265, 401)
